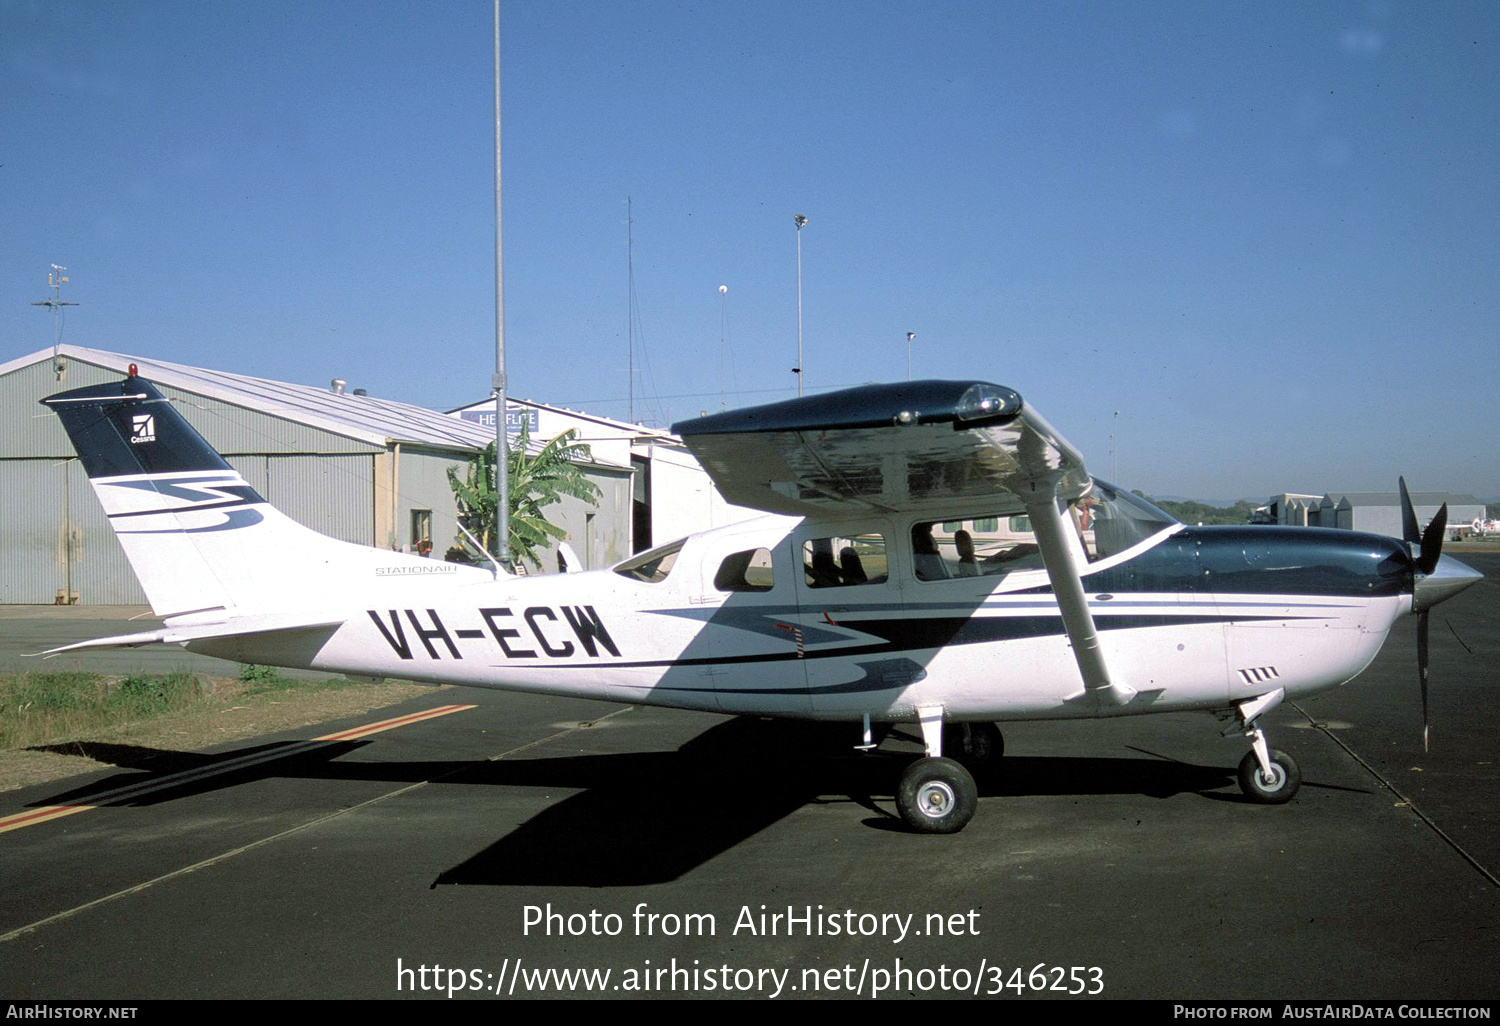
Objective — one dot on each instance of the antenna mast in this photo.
(55, 280)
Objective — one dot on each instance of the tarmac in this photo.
(541, 847)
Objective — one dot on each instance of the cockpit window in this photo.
(652, 566)
(977, 547)
(1108, 522)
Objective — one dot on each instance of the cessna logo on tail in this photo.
(142, 428)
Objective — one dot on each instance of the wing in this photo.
(917, 447)
(911, 447)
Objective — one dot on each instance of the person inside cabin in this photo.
(851, 567)
(926, 559)
(968, 566)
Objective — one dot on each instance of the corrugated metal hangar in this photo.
(1376, 512)
(366, 470)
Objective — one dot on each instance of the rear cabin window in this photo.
(845, 561)
(653, 566)
(745, 571)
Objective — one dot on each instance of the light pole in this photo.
(909, 336)
(723, 333)
(1114, 451)
(800, 221)
(498, 385)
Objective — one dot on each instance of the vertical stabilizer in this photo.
(198, 536)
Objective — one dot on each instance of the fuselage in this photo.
(836, 619)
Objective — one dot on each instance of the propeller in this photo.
(1428, 549)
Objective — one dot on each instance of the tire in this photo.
(1281, 791)
(936, 796)
(977, 745)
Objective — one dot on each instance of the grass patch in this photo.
(260, 680)
(39, 707)
(46, 708)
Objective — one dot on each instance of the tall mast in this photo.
(630, 305)
(498, 383)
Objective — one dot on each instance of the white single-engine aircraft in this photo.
(939, 556)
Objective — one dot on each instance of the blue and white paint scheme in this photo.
(934, 553)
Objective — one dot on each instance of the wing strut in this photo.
(1061, 560)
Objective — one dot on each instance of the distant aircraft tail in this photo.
(198, 536)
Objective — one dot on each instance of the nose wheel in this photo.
(1266, 776)
(1275, 786)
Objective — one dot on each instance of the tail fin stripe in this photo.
(226, 504)
(236, 520)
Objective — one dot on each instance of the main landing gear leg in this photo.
(1267, 776)
(936, 795)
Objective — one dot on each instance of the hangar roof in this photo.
(1394, 498)
(374, 421)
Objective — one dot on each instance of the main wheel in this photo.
(977, 745)
(936, 796)
(1285, 779)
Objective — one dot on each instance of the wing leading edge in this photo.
(915, 447)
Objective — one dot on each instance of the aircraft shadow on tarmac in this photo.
(650, 817)
(647, 819)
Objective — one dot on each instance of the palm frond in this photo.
(536, 480)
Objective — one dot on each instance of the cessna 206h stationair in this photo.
(937, 554)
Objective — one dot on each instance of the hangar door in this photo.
(56, 540)
(56, 543)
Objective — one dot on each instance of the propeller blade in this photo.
(1429, 549)
(1432, 542)
(1422, 671)
(1410, 532)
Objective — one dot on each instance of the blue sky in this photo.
(1264, 233)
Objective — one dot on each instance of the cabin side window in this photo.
(976, 547)
(651, 567)
(746, 571)
(844, 561)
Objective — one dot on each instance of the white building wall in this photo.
(683, 498)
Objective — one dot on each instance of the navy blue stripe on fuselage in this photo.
(901, 636)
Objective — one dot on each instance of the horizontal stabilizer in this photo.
(236, 628)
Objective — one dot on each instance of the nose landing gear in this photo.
(1267, 776)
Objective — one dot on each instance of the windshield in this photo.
(1118, 519)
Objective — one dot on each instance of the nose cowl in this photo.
(1447, 579)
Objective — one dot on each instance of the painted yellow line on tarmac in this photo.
(400, 721)
(120, 795)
